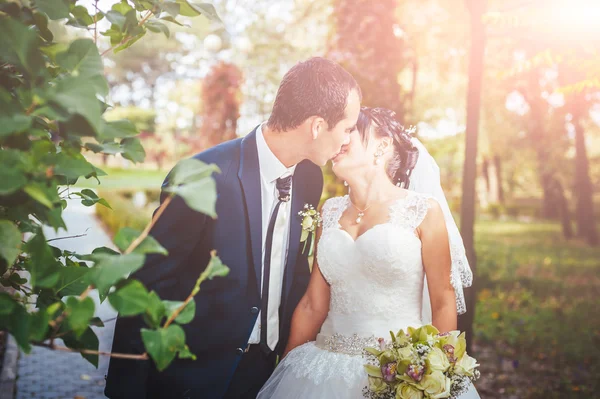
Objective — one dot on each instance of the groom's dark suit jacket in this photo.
(226, 307)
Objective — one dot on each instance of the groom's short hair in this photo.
(315, 87)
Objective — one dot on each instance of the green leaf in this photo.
(149, 245)
(18, 324)
(14, 123)
(133, 150)
(10, 241)
(55, 9)
(186, 354)
(41, 21)
(170, 7)
(122, 128)
(36, 192)
(7, 304)
(131, 299)
(79, 314)
(200, 196)
(72, 280)
(77, 96)
(82, 18)
(123, 7)
(88, 340)
(155, 310)
(72, 167)
(116, 18)
(38, 325)
(169, 18)
(19, 46)
(192, 180)
(11, 179)
(191, 170)
(109, 269)
(83, 60)
(158, 27)
(162, 345)
(216, 268)
(115, 35)
(193, 9)
(186, 315)
(129, 43)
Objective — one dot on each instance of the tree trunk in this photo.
(584, 214)
(500, 188)
(467, 214)
(485, 168)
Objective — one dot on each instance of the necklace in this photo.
(361, 212)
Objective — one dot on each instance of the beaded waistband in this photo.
(347, 344)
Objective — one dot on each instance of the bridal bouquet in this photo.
(420, 364)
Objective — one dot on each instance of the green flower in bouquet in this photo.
(436, 385)
(437, 360)
(407, 391)
(466, 366)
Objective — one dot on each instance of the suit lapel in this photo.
(249, 175)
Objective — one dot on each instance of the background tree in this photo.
(221, 103)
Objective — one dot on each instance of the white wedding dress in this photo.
(377, 285)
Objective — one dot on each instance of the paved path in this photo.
(52, 374)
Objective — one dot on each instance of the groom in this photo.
(242, 321)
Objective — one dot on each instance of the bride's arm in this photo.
(312, 308)
(437, 263)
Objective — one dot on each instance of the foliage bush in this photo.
(537, 295)
(124, 213)
(52, 100)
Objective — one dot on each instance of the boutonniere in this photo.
(310, 220)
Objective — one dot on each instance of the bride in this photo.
(387, 258)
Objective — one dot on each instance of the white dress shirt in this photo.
(272, 169)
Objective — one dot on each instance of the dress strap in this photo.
(332, 211)
(410, 211)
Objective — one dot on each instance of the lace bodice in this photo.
(376, 280)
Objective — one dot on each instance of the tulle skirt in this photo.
(309, 372)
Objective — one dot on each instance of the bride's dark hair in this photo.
(385, 124)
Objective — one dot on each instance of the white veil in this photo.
(425, 178)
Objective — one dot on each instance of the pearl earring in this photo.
(378, 155)
(345, 183)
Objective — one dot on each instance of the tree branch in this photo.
(143, 356)
(149, 226)
(128, 38)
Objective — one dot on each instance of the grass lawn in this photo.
(537, 316)
(126, 179)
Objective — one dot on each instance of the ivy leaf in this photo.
(11, 179)
(171, 7)
(7, 304)
(82, 18)
(155, 310)
(158, 27)
(216, 268)
(192, 180)
(83, 60)
(10, 241)
(72, 280)
(37, 192)
(77, 96)
(116, 18)
(55, 9)
(131, 299)
(19, 46)
(186, 315)
(186, 354)
(149, 245)
(38, 326)
(133, 150)
(87, 340)
(79, 314)
(109, 269)
(72, 167)
(118, 129)
(192, 9)
(162, 345)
